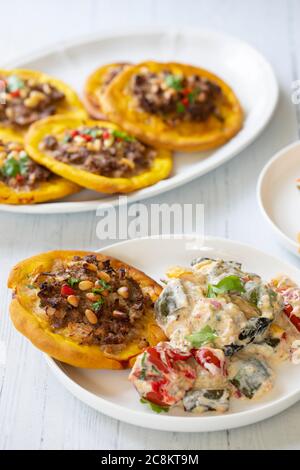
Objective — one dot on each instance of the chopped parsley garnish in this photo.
(97, 305)
(180, 108)
(98, 290)
(123, 135)
(227, 284)
(154, 407)
(204, 336)
(73, 281)
(174, 81)
(30, 286)
(13, 167)
(14, 83)
(193, 95)
(104, 284)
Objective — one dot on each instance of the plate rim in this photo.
(178, 423)
(88, 206)
(259, 188)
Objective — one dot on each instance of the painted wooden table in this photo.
(35, 410)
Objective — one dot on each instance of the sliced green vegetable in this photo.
(204, 336)
(154, 407)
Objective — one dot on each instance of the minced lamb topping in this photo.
(92, 302)
(25, 101)
(17, 170)
(177, 98)
(103, 151)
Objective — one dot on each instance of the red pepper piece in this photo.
(106, 135)
(66, 290)
(186, 91)
(176, 355)
(155, 359)
(20, 178)
(87, 137)
(185, 101)
(205, 356)
(155, 398)
(288, 311)
(74, 133)
(15, 93)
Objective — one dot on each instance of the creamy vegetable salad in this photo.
(227, 329)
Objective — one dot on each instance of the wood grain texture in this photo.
(36, 412)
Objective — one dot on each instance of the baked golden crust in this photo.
(45, 191)
(120, 106)
(28, 318)
(94, 88)
(57, 125)
(71, 105)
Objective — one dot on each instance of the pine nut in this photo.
(34, 99)
(85, 285)
(91, 267)
(91, 316)
(73, 300)
(104, 276)
(119, 314)
(123, 292)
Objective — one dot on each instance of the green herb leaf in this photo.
(180, 108)
(204, 336)
(123, 135)
(73, 281)
(174, 81)
(97, 305)
(14, 83)
(154, 407)
(98, 291)
(11, 167)
(23, 163)
(30, 286)
(227, 284)
(104, 284)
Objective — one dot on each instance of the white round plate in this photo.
(241, 66)
(110, 392)
(279, 197)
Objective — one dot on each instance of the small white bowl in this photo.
(279, 197)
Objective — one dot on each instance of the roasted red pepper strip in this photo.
(288, 311)
(106, 135)
(155, 359)
(178, 355)
(205, 356)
